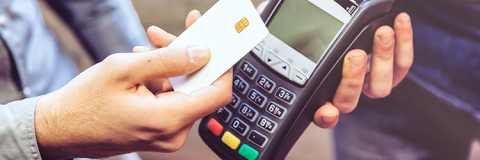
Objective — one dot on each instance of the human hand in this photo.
(159, 39)
(106, 110)
(386, 67)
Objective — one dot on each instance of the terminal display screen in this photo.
(305, 27)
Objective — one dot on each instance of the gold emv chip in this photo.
(242, 24)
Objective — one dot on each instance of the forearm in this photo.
(17, 130)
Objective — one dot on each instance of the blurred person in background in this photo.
(434, 113)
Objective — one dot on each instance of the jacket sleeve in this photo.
(17, 130)
(103, 26)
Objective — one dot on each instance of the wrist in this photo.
(47, 131)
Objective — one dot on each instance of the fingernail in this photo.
(405, 22)
(329, 119)
(198, 53)
(156, 29)
(386, 39)
(357, 62)
(141, 48)
(196, 12)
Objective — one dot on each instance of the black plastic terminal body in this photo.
(320, 88)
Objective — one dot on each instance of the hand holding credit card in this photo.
(231, 28)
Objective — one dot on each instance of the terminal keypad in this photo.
(257, 108)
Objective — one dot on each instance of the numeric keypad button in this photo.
(239, 126)
(285, 95)
(257, 98)
(267, 124)
(276, 110)
(248, 112)
(265, 83)
(224, 114)
(257, 138)
(235, 101)
(240, 84)
(248, 69)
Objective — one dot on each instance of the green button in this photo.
(248, 152)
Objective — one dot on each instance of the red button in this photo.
(215, 127)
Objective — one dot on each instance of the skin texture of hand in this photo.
(159, 38)
(107, 110)
(374, 75)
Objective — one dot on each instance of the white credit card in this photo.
(231, 28)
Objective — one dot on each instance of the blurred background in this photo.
(170, 15)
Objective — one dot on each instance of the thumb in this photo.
(164, 63)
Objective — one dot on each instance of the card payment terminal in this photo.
(281, 83)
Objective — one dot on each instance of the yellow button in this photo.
(230, 140)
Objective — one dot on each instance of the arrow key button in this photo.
(282, 68)
(271, 58)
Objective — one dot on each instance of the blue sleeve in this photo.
(103, 26)
(17, 130)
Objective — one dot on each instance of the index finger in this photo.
(159, 37)
(192, 17)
